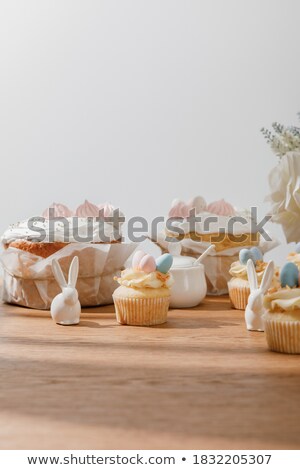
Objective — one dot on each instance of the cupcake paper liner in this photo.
(283, 336)
(239, 297)
(142, 312)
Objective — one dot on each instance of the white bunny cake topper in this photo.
(65, 307)
(255, 308)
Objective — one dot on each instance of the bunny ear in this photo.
(252, 277)
(73, 272)
(267, 277)
(58, 274)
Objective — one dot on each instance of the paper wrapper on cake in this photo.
(217, 264)
(28, 279)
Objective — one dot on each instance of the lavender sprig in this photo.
(283, 139)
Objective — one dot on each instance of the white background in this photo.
(138, 102)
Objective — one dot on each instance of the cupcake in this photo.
(282, 319)
(238, 286)
(143, 297)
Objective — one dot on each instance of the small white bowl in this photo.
(189, 287)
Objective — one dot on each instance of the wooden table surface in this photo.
(199, 381)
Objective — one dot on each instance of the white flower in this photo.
(284, 182)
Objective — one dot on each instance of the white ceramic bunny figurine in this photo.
(255, 308)
(65, 307)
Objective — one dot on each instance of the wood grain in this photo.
(200, 381)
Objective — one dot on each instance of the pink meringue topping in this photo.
(87, 209)
(221, 207)
(107, 208)
(179, 209)
(182, 209)
(198, 203)
(60, 210)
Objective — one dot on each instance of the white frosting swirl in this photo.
(139, 279)
(283, 300)
(239, 271)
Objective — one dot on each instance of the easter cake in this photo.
(282, 319)
(215, 226)
(218, 223)
(40, 236)
(238, 285)
(29, 251)
(143, 297)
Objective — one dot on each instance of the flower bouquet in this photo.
(284, 179)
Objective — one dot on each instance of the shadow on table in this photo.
(87, 312)
(180, 401)
(195, 324)
(90, 324)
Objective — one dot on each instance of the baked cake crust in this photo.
(42, 249)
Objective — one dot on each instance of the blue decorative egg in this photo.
(289, 275)
(256, 253)
(297, 248)
(244, 255)
(164, 263)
